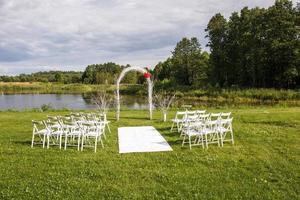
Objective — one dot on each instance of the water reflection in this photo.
(84, 101)
(58, 101)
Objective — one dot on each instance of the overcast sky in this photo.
(39, 35)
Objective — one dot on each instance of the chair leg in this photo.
(221, 138)
(195, 141)
(44, 140)
(172, 127)
(101, 142)
(232, 137)
(82, 142)
(48, 141)
(218, 139)
(179, 127)
(66, 140)
(78, 143)
(183, 141)
(190, 143)
(199, 139)
(206, 143)
(60, 138)
(108, 128)
(96, 141)
(181, 134)
(32, 141)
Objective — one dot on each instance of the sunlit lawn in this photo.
(264, 163)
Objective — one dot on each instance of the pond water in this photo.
(58, 101)
(133, 102)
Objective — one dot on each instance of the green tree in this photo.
(89, 75)
(101, 73)
(217, 30)
(282, 41)
(59, 77)
(162, 70)
(189, 66)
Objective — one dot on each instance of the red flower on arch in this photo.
(147, 75)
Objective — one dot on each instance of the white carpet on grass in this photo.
(141, 139)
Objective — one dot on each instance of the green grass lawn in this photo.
(264, 163)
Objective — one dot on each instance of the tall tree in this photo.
(189, 64)
(282, 39)
(59, 77)
(162, 70)
(217, 30)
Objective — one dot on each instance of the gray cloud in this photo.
(13, 54)
(70, 34)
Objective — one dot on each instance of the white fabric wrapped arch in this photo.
(150, 89)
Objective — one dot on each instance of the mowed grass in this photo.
(264, 163)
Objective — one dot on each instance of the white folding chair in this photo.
(210, 132)
(187, 121)
(103, 119)
(192, 132)
(54, 121)
(72, 133)
(54, 134)
(91, 132)
(179, 118)
(224, 128)
(39, 130)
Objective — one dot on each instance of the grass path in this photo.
(263, 164)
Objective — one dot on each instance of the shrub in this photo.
(46, 107)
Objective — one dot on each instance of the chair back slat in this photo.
(200, 112)
(225, 115)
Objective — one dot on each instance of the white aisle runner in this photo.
(141, 139)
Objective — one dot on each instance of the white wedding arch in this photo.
(150, 88)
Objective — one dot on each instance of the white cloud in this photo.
(69, 34)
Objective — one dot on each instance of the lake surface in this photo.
(134, 102)
(58, 101)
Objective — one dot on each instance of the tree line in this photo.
(257, 47)
(108, 73)
(50, 76)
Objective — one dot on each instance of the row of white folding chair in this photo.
(92, 132)
(208, 132)
(202, 133)
(71, 132)
(182, 115)
(86, 117)
(82, 128)
(202, 117)
(195, 119)
(92, 126)
(53, 131)
(222, 115)
(97, 117)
